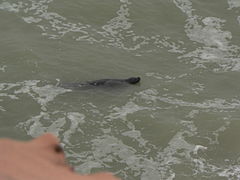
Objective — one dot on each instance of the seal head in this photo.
(133, 80)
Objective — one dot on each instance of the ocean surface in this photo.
(182, 122)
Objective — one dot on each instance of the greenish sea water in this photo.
(182, 122)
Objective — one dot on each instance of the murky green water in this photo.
(182, 122)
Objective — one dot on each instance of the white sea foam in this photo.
(217, 103)
(121, 21)
(41, 94)
(117, 31)
(217, 132)
(199, 148)
(1, 108)
(31, 19)
(233, 4)
(47, 93)
(135, 134)
(3, 68)
(108, 148)
(216, 42)
(8, 95)
(122, 112)
(155, 75)
(15, 7)
(185, 6)
(76, 120)
(57, 121)
(35, 127)
(231, 172)
(192, 114)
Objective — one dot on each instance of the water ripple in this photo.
(216, 43)
(117, 32)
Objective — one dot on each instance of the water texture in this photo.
(181, 122)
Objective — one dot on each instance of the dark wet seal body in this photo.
(105, 83)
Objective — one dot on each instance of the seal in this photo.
(101, 83)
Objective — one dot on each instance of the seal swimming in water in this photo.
(101, 83)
